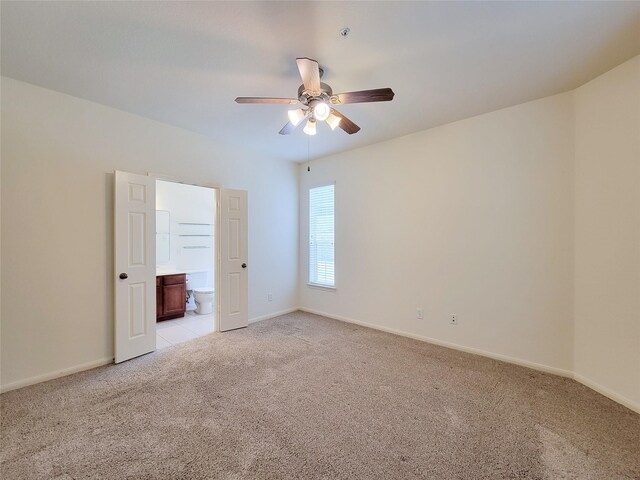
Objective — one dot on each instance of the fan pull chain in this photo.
(308, 143)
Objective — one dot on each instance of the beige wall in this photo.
(607, 223)
(524, 222)
(58, 158)
(473, 218)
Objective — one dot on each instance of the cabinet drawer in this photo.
(174, 279)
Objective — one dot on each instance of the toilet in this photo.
(204, 299)
(199, 290)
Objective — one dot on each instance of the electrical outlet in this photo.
(270, 297)
(454, 319)
(419, 313)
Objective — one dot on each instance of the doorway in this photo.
(136, 282)
(185, 262)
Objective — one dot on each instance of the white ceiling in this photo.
(183, 63)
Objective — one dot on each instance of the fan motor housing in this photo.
(305, 96)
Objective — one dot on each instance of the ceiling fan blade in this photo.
(288, 129)
(363, 96)
(310, 73)
(346, 124)
(288, 101)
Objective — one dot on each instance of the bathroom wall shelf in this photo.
(195, 246)
(194, 235)
(191, 223)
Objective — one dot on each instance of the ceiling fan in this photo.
(316, 98)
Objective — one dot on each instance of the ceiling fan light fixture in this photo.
(321, 111)
(317, 99)
(333, 121)
(296, 116)
(310, 127)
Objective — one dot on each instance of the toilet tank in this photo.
(196, 280)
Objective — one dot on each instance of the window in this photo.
(321, 236)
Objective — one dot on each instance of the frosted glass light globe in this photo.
(321, 111)
(310, 127)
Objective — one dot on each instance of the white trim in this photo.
(273, 315)
(335, 278)
(104, 361)
(55, 374)
(496, 356)
(320, 184)
(184, 180)
(321, 287)
(616, 397)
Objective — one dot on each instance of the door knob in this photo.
(123, 276)
(244, 265)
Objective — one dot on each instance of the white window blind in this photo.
(321, 236)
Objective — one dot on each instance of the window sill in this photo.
(321, 287)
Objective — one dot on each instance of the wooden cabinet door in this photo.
(159, 310)
(173, 299)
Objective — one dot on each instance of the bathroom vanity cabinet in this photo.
(171, 296)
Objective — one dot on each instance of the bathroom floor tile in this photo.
(177, 334)
(179, 330)
(199, 326)
(161, 342)
(167, 324)
(193, 314)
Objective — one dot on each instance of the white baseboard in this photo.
(99, 363)
(273, 315)
(455, 346)
(55, 374)
(616, 397)
(496, 356)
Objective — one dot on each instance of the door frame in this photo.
(216, 220)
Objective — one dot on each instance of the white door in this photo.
(233, 260)
(135, 265)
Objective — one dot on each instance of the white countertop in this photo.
(160, 273)
(172, 271)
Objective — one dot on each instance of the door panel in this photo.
(137, 239)
(234, 293)
(234, 312)
(234, 239)
(137, 310)
(135, 265)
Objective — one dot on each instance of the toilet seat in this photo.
(204, 290)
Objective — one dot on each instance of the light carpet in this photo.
(305, 397)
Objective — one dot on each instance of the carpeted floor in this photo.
(305, 397)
